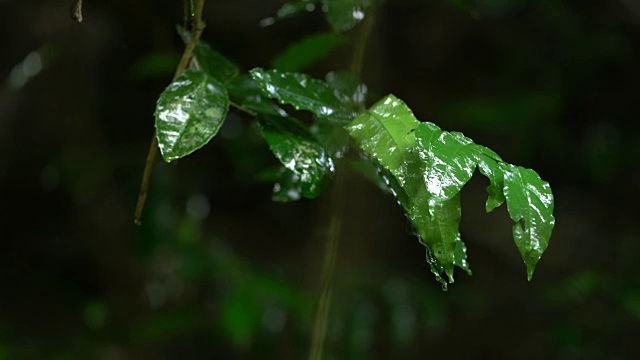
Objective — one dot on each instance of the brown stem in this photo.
(196, 31)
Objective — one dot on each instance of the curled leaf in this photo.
(386, 132)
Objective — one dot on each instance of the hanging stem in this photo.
(196, 31)
(321, 319)
(76, 10)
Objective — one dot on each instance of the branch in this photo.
(321, 320)
(196, 30)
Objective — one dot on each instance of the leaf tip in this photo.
(530, 270)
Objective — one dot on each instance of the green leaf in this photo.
(343, 15)
(427, 167)
(351, 92)
(450, 160)
(386, 132)
(530, 205)
(246, 92)
(306, 52)
(304, 93)
(210, 61)
(347, 83)
(289, 10)
(298, 151)
(488, 165)
(189, 112)
(214, 64)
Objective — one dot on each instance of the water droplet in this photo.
(358, 14)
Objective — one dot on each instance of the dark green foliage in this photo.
(298, 152)
(246, 92)
(305, 93)
(424, 166)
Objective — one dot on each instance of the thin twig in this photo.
(196, 31)
(321, 320)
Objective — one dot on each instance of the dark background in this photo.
(217, 270)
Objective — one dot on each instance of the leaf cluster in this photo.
(423, 166)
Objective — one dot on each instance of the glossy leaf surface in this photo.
(427, 167)
(246, 92)
(343, 15)
(304, 93)
(450, 160)
(386, 132)
(306, 52)
(189, 112)
(298, 151)
(530, 205)
(488, 165)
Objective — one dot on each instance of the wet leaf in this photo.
(306, 52)
(288, 187)
(246, 92)
(488, 165)
(347, 83)
(530, 205)
(304, 93)
(298, 151)
(343, 15)
(215, 64)
(189, 112)
(450, 160)
(427, 167)
(386, 132)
